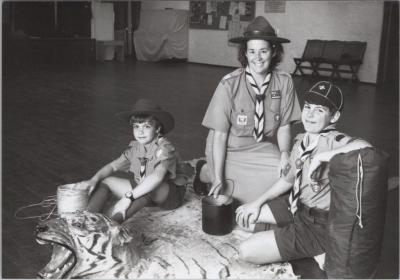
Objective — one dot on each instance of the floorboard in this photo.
(58, 127)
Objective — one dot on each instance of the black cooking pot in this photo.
(217, 214)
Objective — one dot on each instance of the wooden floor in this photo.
(59, 127)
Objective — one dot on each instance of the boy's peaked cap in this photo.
(148, 107)
(325, 93)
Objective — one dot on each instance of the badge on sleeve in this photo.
(241, 120)
(286, 170)
(277, 117)
(276, 94)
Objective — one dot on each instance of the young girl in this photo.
(150, 163)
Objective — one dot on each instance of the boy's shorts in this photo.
(175, 195)
(302, 236)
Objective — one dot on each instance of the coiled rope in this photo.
(50, 201)
(69, 198)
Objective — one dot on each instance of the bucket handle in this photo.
(233, 186)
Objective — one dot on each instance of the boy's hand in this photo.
(121, 207)
(283, 164)
(247, 214)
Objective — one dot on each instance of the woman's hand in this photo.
(248, 214)
(121, 207)
(283, 164)
(216, 188)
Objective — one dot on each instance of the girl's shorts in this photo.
(175, 196)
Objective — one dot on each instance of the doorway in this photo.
(388, 69)
(127, 18)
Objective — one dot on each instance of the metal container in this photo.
(217, 214)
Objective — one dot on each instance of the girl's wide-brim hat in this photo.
(259, 28)
(148, 107)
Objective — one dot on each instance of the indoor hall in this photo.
(59, 103)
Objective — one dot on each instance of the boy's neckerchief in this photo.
(305, 150)
(259, 116)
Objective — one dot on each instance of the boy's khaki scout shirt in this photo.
(232, 106)
(308, 197)
(158, 152)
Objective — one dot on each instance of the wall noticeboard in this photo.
(217, 14)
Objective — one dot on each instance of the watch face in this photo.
(128, 194)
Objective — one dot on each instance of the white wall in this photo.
(341, 20)
(102, 20)
(332, 20)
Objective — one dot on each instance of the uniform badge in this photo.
(299, 163)
(286, 170)
(277, 117)
(241, 120)
(276, 94)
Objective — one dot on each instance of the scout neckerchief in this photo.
(259, 115)
(143, 160)
(305, 150)
(142, 171)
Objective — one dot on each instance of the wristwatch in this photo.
(129, 195)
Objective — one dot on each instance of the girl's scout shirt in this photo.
(320, 199)
(159, 151)
(233, 105)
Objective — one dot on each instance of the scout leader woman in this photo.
(249, 107)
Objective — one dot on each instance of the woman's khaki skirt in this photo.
(253, 169)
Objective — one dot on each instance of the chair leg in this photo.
(335, 71)
(295, 70)
(315, 66)
(354, 71)
(298, 68)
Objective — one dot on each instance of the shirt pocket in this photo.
(242, 122)
(272, 117)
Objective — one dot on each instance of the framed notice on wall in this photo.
(218, 14)
(275, 6)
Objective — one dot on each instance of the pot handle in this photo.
(233, 186)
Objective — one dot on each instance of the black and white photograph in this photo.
(161, 139)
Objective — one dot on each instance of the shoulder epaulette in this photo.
(233, 74)
(283, 73)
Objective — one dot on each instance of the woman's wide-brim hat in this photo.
(148, 107)
(259, 28)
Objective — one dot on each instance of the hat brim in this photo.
(262, 37)
(166, 119)
(315, 98)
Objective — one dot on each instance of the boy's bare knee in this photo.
(260, 248)
(106, 182)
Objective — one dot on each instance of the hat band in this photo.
(258, 33)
